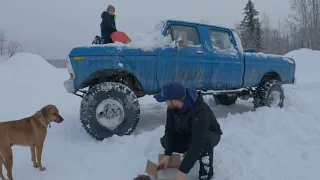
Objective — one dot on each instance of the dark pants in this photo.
(180, 144)
(106, 40)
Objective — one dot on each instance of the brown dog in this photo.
(30, 131)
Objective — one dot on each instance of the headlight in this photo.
(70, 69)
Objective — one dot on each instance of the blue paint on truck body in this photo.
(204, 66)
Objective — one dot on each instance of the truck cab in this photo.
(204, 57)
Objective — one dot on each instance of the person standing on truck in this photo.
(191, 128)
(108, 25)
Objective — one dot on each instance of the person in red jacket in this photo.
(191, 128)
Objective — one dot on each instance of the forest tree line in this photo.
(300, 30)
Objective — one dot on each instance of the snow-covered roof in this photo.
(199, 23)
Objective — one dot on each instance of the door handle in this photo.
(200, 52)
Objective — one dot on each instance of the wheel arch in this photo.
(114, 75)
(271, 75)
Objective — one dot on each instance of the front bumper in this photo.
(294, 81)
(69, 85)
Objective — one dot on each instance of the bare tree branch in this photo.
(3, 41)
(13, 47)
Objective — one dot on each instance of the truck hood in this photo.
(267, 58)
(105, 50)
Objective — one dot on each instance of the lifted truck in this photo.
(201, 56)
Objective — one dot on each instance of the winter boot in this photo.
(206, 163)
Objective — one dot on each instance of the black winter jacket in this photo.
(196, 123)
(108, 25)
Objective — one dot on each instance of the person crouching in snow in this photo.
(108, 25)
(191, 128)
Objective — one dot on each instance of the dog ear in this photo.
(46, 111)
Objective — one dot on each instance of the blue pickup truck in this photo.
(110, 78)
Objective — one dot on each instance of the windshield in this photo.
(160, 26)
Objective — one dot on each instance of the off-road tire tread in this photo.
(88, 102)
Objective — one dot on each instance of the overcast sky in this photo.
(53, 27)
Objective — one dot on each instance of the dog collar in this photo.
(45, 122)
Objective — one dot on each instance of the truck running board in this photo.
(241, 92)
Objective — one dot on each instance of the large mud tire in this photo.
(110, 98)
(269, 93)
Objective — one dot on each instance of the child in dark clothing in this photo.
(108, 25)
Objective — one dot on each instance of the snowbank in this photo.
(307, 61)
(29, 82)
(269, 143)
(24, 60)
(2, 59)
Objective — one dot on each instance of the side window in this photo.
(187, 35)
(221, 39)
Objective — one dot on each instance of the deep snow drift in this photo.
(28, 81)
(270, 143)
(308, 62)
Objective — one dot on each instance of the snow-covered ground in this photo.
(2, 59)
(268, 144)
(308, 63)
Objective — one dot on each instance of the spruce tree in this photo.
(250, 28)
(258, 35)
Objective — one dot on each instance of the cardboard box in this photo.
(165, 174)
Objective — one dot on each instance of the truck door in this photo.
(184, 64)
(229, 66)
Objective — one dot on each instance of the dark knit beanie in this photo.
(110, 7)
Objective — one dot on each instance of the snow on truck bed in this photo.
(270, 143)
(145, 40)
